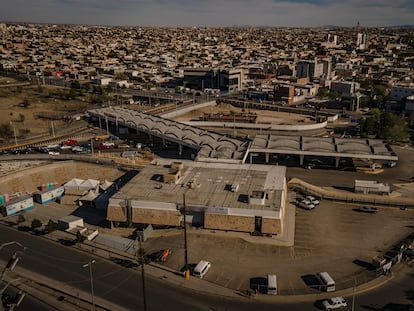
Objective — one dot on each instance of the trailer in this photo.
(49, 195)
(371, 186)
(17, 205)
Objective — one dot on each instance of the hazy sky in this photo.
(211, 12)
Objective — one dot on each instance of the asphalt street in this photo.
(122, 286)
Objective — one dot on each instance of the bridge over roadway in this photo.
(212, 146)
(370, 149)
(209, 145)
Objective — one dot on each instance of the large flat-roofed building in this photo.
(228, 80)
(232, 197)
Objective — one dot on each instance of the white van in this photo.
(326, 281)
(201, 269)
(271, 284)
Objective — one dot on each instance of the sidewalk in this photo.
(56, 294)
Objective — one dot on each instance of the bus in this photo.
(271, 284)
(326, 281)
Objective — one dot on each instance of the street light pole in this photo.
(141, 256)
(186, 271)
(89, 264)
(353, 295)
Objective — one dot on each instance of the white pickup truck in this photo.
(334, 303)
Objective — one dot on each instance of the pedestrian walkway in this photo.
(339, 195)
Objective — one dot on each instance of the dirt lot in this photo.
(31, 109)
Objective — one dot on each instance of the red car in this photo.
(70, 142)
(101, 147)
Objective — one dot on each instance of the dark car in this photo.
(366, 209)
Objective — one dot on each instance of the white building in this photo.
(362, 41)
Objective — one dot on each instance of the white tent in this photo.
(90, 196)
(73, 183)
(89, 184)
(105, 185)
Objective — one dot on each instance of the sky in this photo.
(211, 13)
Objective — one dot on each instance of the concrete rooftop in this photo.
(212, 188)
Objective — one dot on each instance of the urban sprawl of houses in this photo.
(284, 65)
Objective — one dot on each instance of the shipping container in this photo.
(49, 195)
(15, 206)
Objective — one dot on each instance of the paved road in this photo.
(396, 295)
(29, 302)
(123, 286)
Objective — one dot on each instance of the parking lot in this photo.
(333, 237)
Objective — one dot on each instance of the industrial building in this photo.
(228, 80)
(232, 197)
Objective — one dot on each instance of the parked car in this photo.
(53, 146)
(306, 204)
(63, 147)
(108, 143)
(77, 149)
(312, 199)
(53, 152)
(366, 209)
(102, 146)
(70, 142)
(124, 146)
(334, 303)
(376, 166)
(392, 163)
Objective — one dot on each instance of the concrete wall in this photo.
(229, 222)
(116, 213)
(29, 179)
(272, 226)
(296, 127)
(181, 111)
(156, 217)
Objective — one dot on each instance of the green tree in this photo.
(72, 93)
(113, 54)
(21, 219)
(6, 131)
(371, 125)
(387, 125)
(323, 92)
(75, 85)
(51, 226)
(36, 223)
(393, 128)
(80, 238)
(121, 76)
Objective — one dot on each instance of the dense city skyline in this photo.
(287, 13)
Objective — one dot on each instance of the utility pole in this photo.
(186, 270)
(353, 296)
(89, 264)
(15, 136)
(141, 260)
(9, 267)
